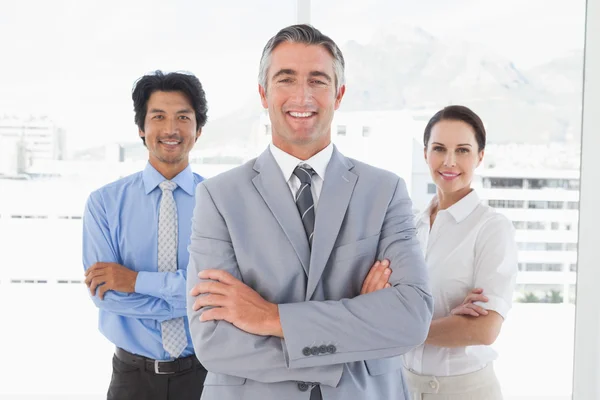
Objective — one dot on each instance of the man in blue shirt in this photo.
(135, 236)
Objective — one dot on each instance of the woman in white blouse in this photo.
(472, 259)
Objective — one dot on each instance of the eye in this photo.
(158, 117)
(318, 82)
(184, 117)
(463, 150)
(285, 80)
(438, 148)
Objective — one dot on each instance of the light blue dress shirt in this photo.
(120, 225)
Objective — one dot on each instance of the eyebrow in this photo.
(461, 144)
(158, 110)
(288, 71)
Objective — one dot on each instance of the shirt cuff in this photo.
(148, 283)
(497, 304)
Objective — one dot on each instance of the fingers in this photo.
(377, 278)
(367, 282)
(214, 314)
(94, 283)
(479, 310)
(95, 267)
(462, 310)
(214, 300)
(469, 309)
(92, 275)
(102, 290)
(472, 298)
(218, 275)
(210, 287)
(477, 291)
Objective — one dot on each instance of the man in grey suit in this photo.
(281, 246)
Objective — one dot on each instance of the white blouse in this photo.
(469, 246)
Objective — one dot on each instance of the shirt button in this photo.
(303, 386)
(315, 351)
(433, 384)
(331, 348)
(322, 349)
(306, 351)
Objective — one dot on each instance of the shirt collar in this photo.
(459, 210)
(288, 162)
(152, 178)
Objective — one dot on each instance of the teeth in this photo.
(170, 143)
(300, 114)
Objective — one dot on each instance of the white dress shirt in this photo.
(469, 246)
(318, 163)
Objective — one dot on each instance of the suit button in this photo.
(303, 386)
(323, 349)
(306, 351)
(331, 348)
(433, 384)
(314, 351)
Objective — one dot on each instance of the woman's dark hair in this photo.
(457, 113)
(187, 84)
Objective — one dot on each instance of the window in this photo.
(341, 130)
(366, 131)
(536, 225)
(519, 224)
(507, 183)
(431, 188)
(538, 204)
(98, 51)
(506, 203)
(555, 205)
(573, 205)
(533, 267)
(554, 246)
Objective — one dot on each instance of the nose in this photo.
(170, 127)
(303, 93)
(450, 159)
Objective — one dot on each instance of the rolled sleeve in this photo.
(496, 264)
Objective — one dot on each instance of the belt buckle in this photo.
(157, 370)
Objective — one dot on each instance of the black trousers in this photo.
(131, 382)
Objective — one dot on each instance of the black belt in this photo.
(155, 366)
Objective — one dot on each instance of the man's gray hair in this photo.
(305, 34)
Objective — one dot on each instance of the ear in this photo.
(338, 98)
(263, 96)
(198, 134)
(425, 153)
(141, 133)
(481, 153)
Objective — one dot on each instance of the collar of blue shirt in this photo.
(152, 178)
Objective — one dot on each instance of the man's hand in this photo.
(468, 308)
(377, 278)
(110, 276)
(236, 303)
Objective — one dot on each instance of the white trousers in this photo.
(478, 385)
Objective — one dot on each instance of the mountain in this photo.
(415, 71)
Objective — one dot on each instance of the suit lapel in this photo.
(273, 188)
(333, 202)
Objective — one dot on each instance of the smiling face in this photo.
(170, 131)
(301, 98)
(452, 155)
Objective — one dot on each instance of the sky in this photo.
(76, 62)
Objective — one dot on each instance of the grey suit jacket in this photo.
(246, 223)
